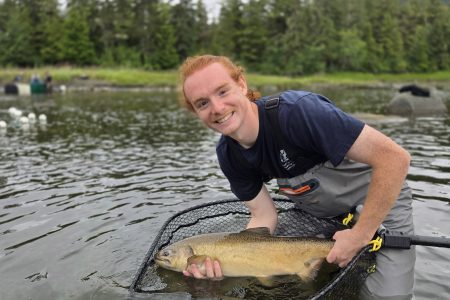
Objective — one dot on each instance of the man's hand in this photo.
(209, 270)
(347, 244)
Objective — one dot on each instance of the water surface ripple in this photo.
(83, 196)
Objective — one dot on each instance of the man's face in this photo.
(217, 99)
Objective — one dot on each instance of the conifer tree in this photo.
(163, 53)
(15, 37)
(439, 36)
(202, 28)
(254, 40)
(78, 48)
(228, 33)
(51, 51)
(183, 19)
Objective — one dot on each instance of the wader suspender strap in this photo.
(271, 108)
(271, 116)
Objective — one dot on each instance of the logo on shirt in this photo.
(285, 161)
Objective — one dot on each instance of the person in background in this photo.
(48, 82)
(323, 159)
(35, 79)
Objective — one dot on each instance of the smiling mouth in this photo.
(225, 118)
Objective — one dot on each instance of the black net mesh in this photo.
(233, 216)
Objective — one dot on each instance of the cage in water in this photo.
(232, 215)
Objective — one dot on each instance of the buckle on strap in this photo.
(272, 103)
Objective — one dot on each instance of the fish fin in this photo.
(198, 260)
(266, 281)
(312, 267)
(257, 230)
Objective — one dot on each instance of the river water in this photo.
(83, 195)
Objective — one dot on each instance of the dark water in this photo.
(83, 196)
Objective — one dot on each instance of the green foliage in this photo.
(351, 50)
(254, 41)
(164, 55)
(183, 19)
(78, 48)
(285, 37)
(15, 38)
(52, 49)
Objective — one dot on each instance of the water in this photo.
(83, 196)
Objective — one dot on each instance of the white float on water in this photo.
(24, 120)
(3, 124)
(42, 118)
(32, 117)
(14, 112)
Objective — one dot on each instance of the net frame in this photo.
(233, 215)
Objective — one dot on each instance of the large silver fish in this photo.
(252, 252)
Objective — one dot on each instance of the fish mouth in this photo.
(159, 259)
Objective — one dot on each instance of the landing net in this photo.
(232, 216)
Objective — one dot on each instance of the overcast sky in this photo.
(212, 6)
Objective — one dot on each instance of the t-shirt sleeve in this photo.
(316, 125)
(245, 182)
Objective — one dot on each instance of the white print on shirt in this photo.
(285, 161)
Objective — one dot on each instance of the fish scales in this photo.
(251, 252)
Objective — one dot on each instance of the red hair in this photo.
(195, 63)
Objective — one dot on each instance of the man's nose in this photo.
(217, 106)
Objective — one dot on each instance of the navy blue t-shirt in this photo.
(317, 129)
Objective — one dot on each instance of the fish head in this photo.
(174, 257)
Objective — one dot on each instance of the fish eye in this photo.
(166, 252)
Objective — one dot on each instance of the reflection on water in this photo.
(82, 197)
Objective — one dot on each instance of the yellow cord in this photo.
(376, 244)
(372, 269)
(348, 219)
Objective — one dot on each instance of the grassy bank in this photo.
(136, 77)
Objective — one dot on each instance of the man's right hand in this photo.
(210, 270)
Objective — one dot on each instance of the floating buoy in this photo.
(24, 120)
(32, 117)
(42, 118)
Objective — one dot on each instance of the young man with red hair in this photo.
(324, 160)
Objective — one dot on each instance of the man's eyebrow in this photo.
(221, 87)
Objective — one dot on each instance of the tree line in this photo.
(288, 37)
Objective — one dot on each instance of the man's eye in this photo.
(222, 92)
(201, 103)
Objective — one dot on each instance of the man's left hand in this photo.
(347, 244)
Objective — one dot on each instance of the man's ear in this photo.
(243, 84)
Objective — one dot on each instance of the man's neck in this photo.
(248, 134)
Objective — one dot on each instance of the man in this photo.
(323, 159)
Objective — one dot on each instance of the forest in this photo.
(281, 37)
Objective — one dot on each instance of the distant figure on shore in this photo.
(48, 82)
(35, 79)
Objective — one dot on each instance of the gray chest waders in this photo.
(328, 191)
(323, 190)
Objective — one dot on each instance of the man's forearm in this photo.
(385, 186)
(263, 211)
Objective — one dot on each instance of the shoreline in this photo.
(265, 86)
(125, 79)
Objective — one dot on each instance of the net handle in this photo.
(399, 240)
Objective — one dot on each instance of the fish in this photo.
(253, 252)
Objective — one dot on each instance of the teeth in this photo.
(221, 120)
